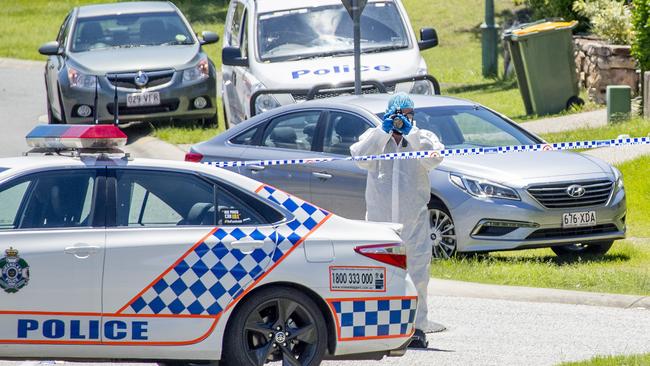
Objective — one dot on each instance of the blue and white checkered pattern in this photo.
(374, 318)
(448, 152)
(211, 276)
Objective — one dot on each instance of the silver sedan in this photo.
(568, 201)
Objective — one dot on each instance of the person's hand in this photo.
(406, 125)
(387, 126)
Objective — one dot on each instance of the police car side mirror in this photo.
(231, 56)
(50, 49)
(209, 37)
(428, 38)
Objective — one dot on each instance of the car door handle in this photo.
(247, 246)
(322, 175)
(255, 168)
(81, 250)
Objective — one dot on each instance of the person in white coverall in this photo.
(399, 190)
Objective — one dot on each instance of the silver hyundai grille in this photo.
(557, 195)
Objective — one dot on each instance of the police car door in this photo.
(52, 238)
(175, 261)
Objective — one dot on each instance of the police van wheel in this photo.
(276, 324)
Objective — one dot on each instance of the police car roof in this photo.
(265, 6)
(376, 103)
(135, 7)
(31, 163)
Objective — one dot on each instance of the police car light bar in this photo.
(66, 137)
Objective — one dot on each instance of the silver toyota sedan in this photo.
(571, 202)
(144, 54)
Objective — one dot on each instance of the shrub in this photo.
(641, 39)
(610, 19)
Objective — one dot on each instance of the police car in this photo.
(107, 257)
(283, 52)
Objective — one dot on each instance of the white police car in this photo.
(281, 52)
(105, 257)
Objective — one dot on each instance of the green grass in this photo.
(624, 269)
(633, 360)
(635, 128)
(637, 189)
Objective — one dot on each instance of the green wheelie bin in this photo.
(543, 58)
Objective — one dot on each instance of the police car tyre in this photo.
(443, 232)
(276, 324)
(594, 248)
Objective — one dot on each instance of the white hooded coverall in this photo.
(398, 191)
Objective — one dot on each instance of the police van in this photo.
(279, 52)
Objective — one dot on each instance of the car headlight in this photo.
(423, 87)
(197, 73)
(618, 176)
(265, 102)
(483, 188)
(79, 80)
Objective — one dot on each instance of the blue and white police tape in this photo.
(558, 146)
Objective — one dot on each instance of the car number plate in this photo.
(358, 279)
(142, 99)
(576, 219)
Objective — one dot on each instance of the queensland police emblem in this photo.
(14, 271)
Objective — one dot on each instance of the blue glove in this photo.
(387, 126)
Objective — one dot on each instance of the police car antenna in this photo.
(95, 115)
(116, 119)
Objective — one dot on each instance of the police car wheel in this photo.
(443, 232)
(276, 324)
(574, 250)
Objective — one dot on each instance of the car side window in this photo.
(64, 30)
(343, 130)
(246, 138)
(148, 198)
(238, 208)
(235, 25)
(10, 200)
(58, 199)
(293, 131)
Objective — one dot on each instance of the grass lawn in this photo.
(633, 360)
(637, 127)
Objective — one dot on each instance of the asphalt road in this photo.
(501, 332)
(22, 101)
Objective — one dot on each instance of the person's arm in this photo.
(372, 142)
(429, 141)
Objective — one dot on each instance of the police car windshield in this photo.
(3, 169)
(468, 127)
(327, 31)
(129, 30)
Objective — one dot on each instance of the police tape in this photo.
(422, 154)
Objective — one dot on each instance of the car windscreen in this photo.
(468, 127)
(328, 30)
(130, 30)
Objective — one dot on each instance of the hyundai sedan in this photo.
(571, 202)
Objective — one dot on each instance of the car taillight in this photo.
(393, 254)
(193, 157)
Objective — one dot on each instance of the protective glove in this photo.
(406, 126)
(387, 126)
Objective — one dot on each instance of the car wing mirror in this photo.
(50, 49)
(231, 56)
(209, 37)
(428, 38)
